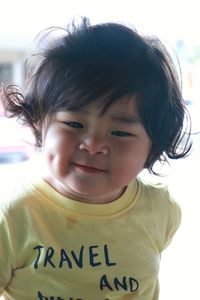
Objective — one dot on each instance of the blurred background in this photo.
(177, 24)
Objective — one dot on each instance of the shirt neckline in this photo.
(73, 207)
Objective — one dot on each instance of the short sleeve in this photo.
(174, 220)
(5, 254)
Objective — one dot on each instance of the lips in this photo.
(88, 168)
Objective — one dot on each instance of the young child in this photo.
(103, 103)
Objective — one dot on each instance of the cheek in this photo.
(58, 150)
(131, 157)
(58, 142)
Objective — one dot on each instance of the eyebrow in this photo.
(127, 119)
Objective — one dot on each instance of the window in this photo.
(6, 72)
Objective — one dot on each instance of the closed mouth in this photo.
(88, 169)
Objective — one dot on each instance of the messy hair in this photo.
(102, 64)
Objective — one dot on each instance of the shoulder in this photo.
(18, 198)
(157, 194)
(161, 209)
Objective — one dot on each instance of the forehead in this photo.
(126, 106)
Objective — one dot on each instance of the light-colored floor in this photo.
(180, 264)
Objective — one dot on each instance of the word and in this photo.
(129, 284)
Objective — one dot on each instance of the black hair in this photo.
(108, 61)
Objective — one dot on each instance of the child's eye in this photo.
(121, 133)
(74, 124)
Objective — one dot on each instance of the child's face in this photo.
(93, 156)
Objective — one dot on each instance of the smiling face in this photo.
(92, 156)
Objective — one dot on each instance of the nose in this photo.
(94, 145)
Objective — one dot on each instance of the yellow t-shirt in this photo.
(55, 248)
